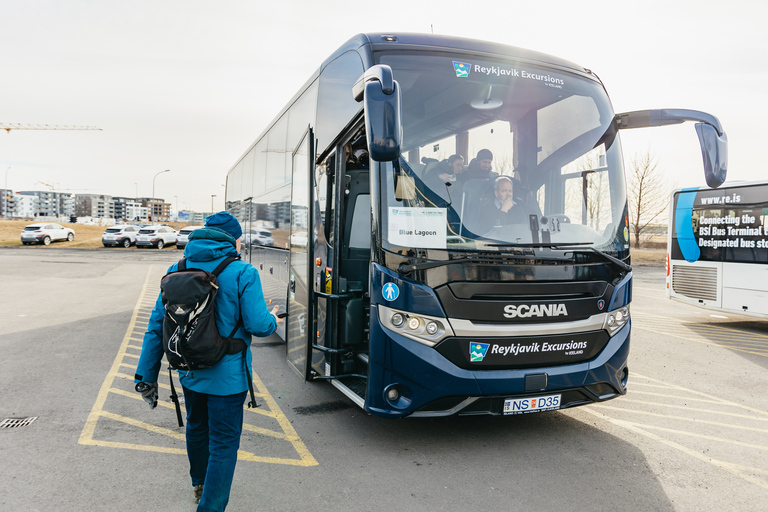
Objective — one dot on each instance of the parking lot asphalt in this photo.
(691, 434)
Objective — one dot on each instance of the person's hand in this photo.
(508, 203)
(274, 313)
(148, 392)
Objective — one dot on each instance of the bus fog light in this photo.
(398, 319)
(413, 323)
(393, 394)
(431, 327)
(611, 320)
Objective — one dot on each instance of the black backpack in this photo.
(191, 339)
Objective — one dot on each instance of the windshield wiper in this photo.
(610, 258)
(573, 246)
(406, 268)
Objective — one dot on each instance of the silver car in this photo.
(45, 233)
(155, 236)
(124, 235)
(183, 236)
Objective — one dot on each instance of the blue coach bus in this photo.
(401, 285)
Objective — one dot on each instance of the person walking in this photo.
(214, 396)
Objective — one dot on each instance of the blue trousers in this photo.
(214, 425)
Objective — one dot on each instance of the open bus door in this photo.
(300, 326)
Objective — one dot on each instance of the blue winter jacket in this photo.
(239, 295)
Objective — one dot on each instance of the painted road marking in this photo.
(712, 431)
(754, 343)
(268, 435)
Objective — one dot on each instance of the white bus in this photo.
(717, 248)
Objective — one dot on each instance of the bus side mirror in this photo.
(714, 152)
(380, 94)
(712, 138)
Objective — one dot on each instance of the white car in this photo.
(124, 235)
(45, 233)
(183, 236)
(259, 237)
(299, 238)
(155, 236)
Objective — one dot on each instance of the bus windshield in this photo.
(538, 157)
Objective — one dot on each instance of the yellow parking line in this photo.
(272, 412)
(86, 436)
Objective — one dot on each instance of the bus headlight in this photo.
(425, 329)
(616, 319)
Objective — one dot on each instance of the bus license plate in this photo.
(531, 404)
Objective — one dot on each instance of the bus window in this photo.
(335, 105)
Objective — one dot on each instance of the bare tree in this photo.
(648, 192)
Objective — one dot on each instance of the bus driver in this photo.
(503, 210)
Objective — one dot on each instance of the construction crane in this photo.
(25, 126)
(46, 184)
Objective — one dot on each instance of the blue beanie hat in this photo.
(226, 222)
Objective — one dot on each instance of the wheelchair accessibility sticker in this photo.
(390, 291)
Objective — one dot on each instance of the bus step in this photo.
(353, 388)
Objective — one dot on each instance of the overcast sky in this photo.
(189, 85)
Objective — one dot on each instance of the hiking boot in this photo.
(198, 490)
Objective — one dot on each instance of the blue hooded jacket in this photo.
(239, 295)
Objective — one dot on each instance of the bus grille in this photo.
(695, 282)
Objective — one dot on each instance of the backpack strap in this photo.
(175, 398)
(182, 265)
(223, 264)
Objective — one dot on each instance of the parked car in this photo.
(259, 237)
(45, 233)
(183, 236)
(155, 236)
(299, 238)
(124, 235)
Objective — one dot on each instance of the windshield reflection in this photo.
(498, 159)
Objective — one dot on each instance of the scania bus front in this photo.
(475, 311)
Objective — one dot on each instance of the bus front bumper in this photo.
(407, 378)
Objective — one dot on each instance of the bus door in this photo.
(299, 325)
(352, 312)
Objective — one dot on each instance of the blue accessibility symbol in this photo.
(390, 291)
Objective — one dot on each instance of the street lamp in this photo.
(7, 195)
(153, 193)
(212, 196)
(177, 212)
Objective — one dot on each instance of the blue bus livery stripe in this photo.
(684, 226)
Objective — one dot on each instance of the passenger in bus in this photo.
(481, 167)
(503, 209)
(446, 171)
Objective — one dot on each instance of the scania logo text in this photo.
(539, 310)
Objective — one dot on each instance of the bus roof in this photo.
(381, 41)
(726, 185)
